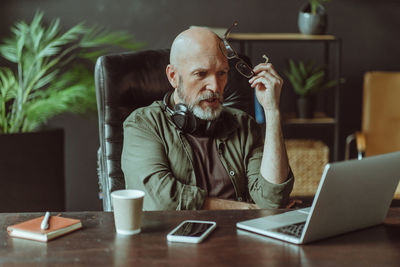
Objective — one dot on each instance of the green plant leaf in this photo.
(8, 84)
(303, 70)
(54, 70)
(9, 53)
(52, 31)
(45, 80)
(307, 78)
(295, 77)
(314, 5)
(315, 79)
(8, 92)
(333, 83)
(295, 73)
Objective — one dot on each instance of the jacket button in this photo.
(231, 173)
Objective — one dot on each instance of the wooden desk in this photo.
(98, 245)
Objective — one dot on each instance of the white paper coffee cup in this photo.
(128, 209)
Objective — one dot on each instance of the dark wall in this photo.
(369, 30)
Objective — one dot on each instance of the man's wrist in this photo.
(273, 113)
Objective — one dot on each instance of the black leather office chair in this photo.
(127, 81)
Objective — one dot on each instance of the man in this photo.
(190, 152)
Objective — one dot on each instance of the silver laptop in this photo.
(351, 195)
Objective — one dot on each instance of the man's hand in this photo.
(223, 204)
(268, 85)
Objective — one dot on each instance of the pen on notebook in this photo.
(45, 223)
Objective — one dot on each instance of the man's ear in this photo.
(172, 75)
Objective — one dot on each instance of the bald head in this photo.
(192, 41)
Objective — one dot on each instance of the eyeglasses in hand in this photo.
(241, 66)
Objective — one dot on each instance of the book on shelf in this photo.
(30, 229)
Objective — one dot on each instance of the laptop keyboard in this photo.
(293, 229)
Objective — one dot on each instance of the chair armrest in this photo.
(361, 144)
(104, 182)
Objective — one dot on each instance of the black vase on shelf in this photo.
(305, 107)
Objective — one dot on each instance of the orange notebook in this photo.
(31, 229)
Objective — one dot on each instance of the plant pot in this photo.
(32, 171)
(312, 24)
(305, 107)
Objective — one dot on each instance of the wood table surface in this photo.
(97, 244)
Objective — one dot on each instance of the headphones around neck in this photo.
(183, 118)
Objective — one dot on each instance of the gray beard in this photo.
(205, 114)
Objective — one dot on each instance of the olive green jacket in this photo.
(158, 159)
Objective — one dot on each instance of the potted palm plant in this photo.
(307, 80)
(49, 72)
(312, 18)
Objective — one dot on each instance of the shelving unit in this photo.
(245, 41)
(319, 118)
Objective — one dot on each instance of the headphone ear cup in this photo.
(184, 118)
(166, 102)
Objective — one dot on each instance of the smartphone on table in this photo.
(191, 231)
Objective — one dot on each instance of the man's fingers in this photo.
(262, 74)
(261, 80)
(262, 66)
(266, 79)
(266, 68)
